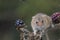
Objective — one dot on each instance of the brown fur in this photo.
(47, 21)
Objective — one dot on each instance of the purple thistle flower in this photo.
(55, 15)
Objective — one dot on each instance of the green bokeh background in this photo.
(10, 10)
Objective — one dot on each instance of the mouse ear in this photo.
(33, 17)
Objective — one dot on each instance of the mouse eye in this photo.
(36, 22)
(42, 21)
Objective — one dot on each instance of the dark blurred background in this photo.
(10, 10)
